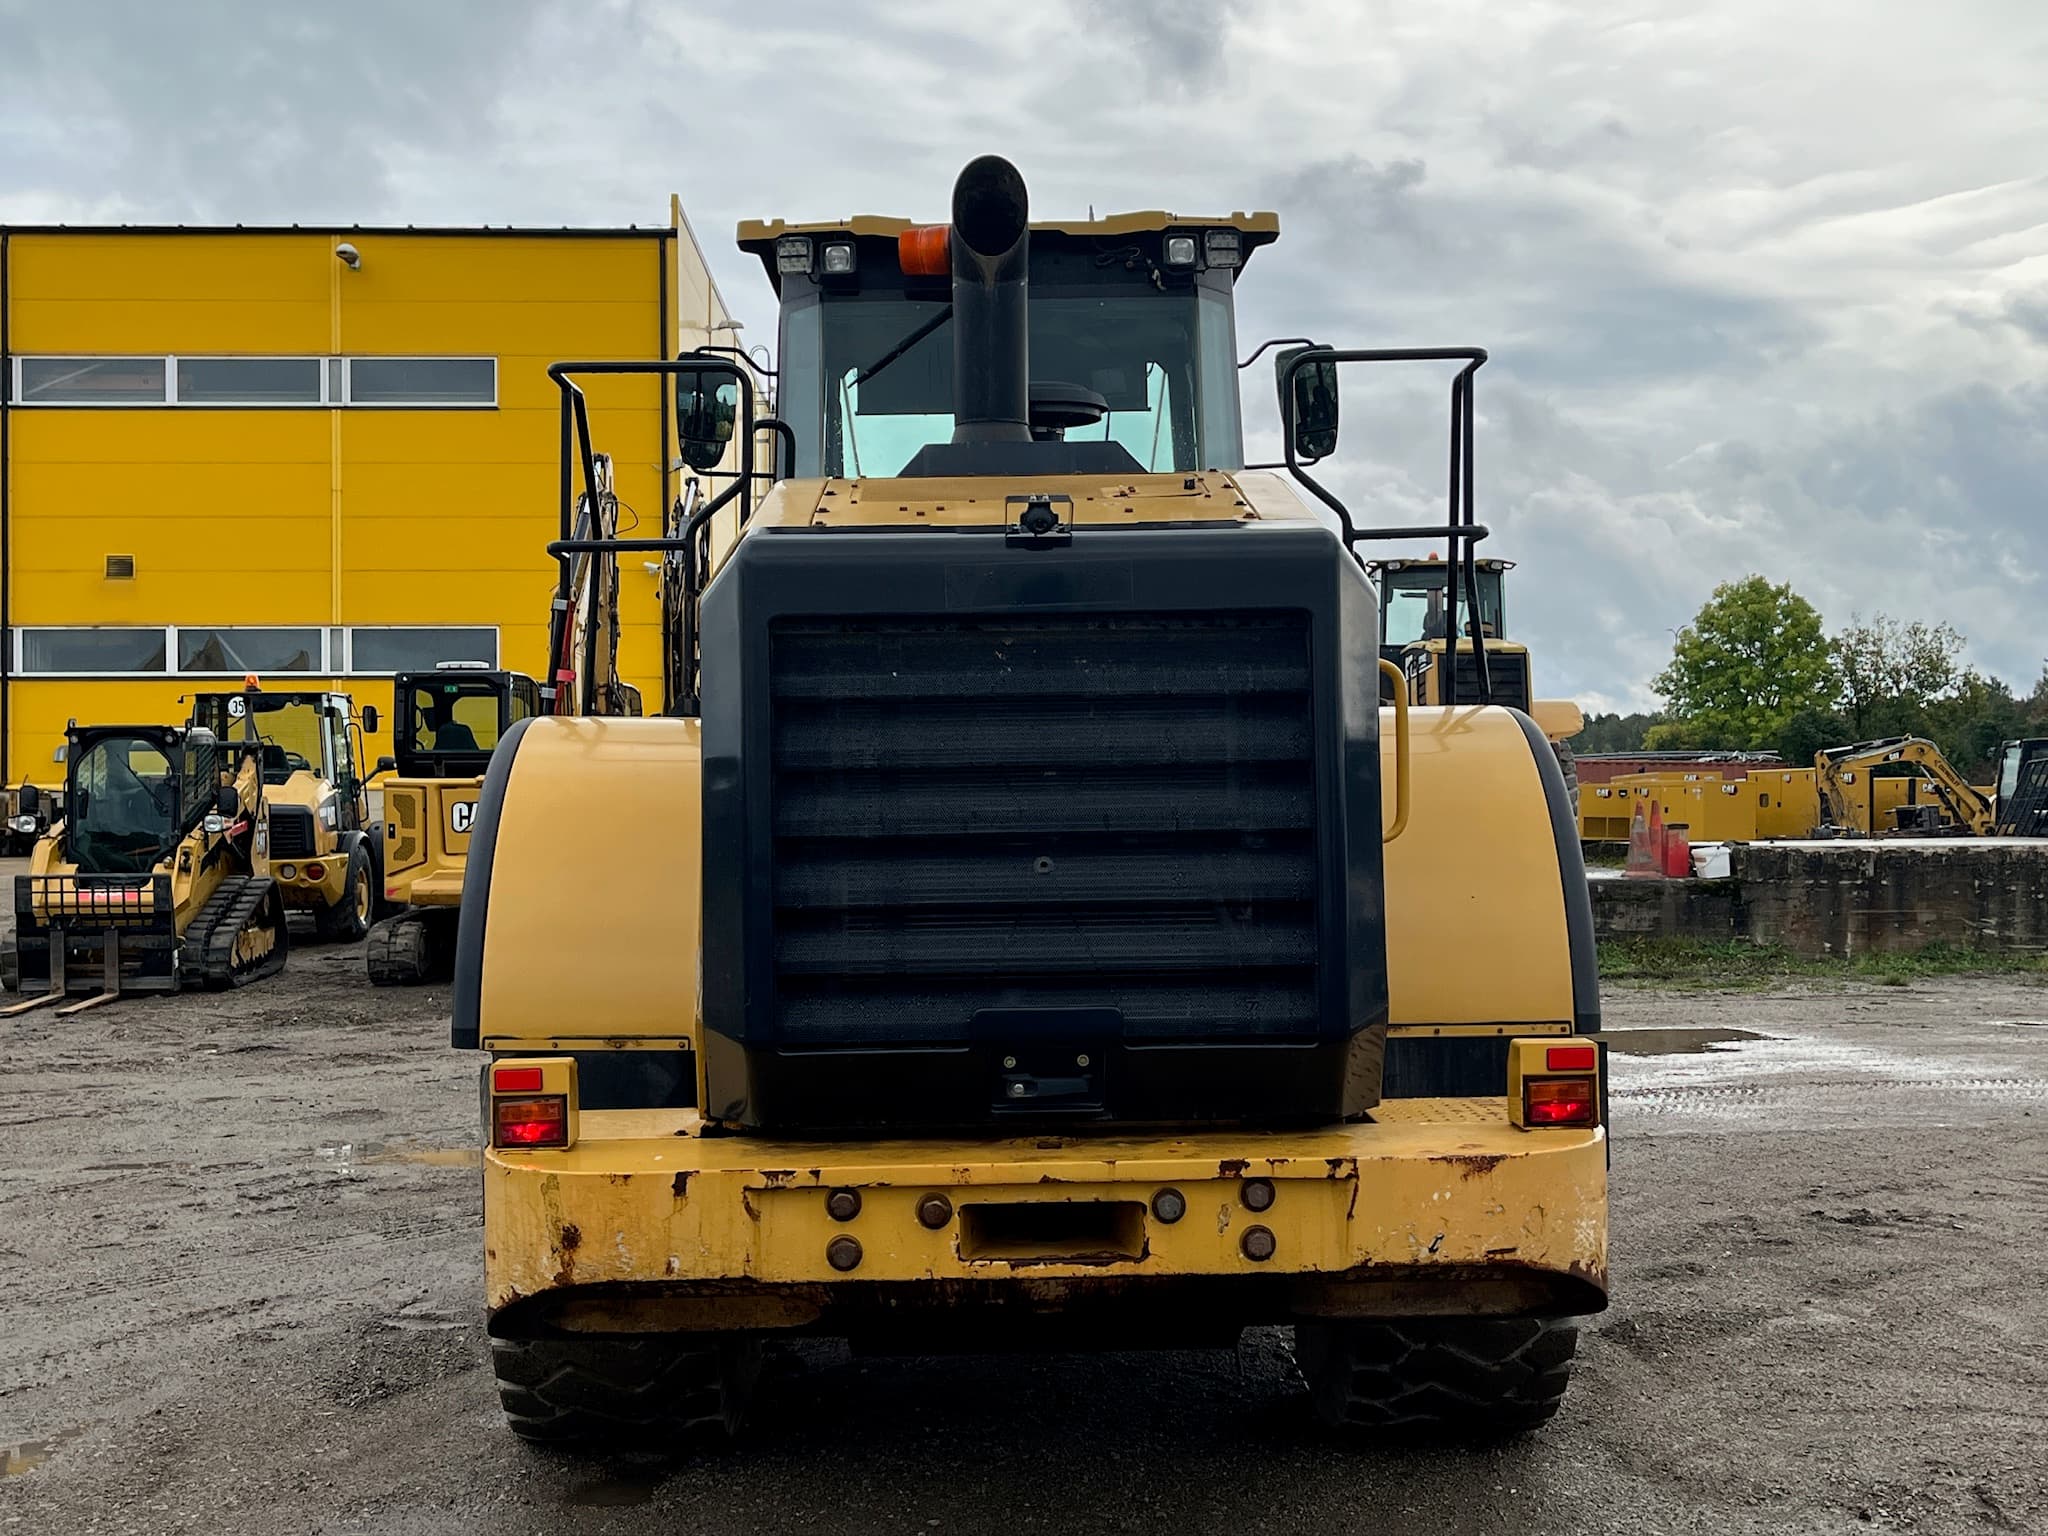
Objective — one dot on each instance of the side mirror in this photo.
(227, 801)
(31, 800)
(1313, 410)
(387, 764)
(707, 408)
(370, 718)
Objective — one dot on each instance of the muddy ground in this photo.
(239, 1280)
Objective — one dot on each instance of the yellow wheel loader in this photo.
(1424, 602)
(1028, 928)
(316, 836)
(151, 879)
(445, 724)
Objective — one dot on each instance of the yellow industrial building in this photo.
(318, 455)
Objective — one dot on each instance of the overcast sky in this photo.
(1766, 284)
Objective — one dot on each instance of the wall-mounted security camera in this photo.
(350, 255)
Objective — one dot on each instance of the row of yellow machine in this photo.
(177, 853)
(1894, 787)
(1052, 907)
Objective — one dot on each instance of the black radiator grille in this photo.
(1101, 813)
(291, 832)
(1509, 672)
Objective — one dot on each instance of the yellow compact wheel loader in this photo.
(316, 834)
(445, 724)
(150, 880)
(1027, 927)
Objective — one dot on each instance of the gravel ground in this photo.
(239, 1277)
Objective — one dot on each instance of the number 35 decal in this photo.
(460, 815)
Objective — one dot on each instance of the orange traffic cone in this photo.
(1642, 856)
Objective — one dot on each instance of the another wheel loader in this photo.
(317, 835)
(1073, 950)
(153, 878)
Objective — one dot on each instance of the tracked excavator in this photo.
(1024, 926)
(1941, 801)
(445, 725)
(153, 879)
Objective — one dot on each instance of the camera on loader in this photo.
(1028, 928)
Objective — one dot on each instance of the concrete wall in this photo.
(1848, 898)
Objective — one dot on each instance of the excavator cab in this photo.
(2022, 801)
(446, 725)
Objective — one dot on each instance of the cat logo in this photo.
(460, 815)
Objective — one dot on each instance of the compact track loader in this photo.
(316, 836)
(152, 879)
(1027, 928)
(445, 724)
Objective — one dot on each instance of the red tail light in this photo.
(516, 1080)
(1561, 1101)
(1571, 1058)
(316, 872)
(531, 1122)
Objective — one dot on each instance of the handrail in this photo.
(1401, 774)
(1461, 530)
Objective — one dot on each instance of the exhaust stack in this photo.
(991, 247)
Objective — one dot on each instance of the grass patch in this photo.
(1605, 855)
(1732, 965)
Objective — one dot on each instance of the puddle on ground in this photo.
(30, 1454)
(1673, 1042)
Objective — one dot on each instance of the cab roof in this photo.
(758, 236)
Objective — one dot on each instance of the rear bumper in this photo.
(1443, 1207)
(438, 884)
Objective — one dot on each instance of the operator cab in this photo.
(451, 719)
(134, 793)
(1412, 601)
(295, 732)
(1132, 345)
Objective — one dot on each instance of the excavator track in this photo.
(238, 937)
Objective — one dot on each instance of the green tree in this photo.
(1892, 673)
(1810, 730)
(1752, 658)
(1613, 733)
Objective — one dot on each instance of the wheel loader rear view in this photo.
(1030, 929)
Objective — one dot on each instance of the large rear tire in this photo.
(349, 918)
(648, 1390)
(1472, 1378)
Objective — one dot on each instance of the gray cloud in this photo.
(1759, 296)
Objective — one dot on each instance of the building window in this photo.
(418, 650)
(90, 380)
(422, 381)
(203, 649)
(118, 651)
(249, 380)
